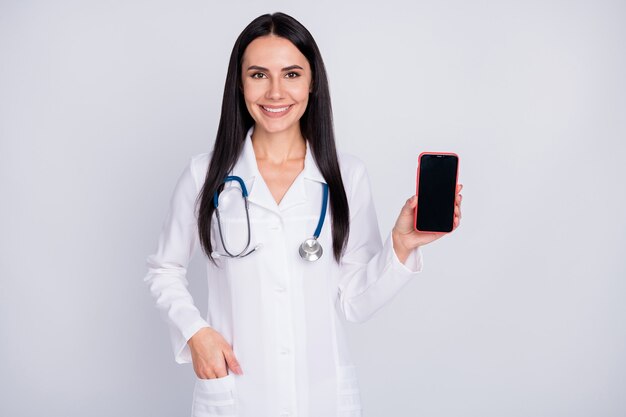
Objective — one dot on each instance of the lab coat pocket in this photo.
(214, 397)
(349, 398)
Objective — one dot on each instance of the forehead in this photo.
(273, 52)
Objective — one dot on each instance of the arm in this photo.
(167, 267)
(371, 273)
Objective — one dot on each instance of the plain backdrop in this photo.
(519, 312)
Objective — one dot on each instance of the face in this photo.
(276, 79)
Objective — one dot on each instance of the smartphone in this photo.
(437, 174)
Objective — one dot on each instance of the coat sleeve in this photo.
(167, 267)
(370, 272)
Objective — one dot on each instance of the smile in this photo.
(276, 110)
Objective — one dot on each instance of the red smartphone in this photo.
(437, 175)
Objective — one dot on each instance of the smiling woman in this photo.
(273, 343)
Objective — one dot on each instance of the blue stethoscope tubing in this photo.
(309, 250)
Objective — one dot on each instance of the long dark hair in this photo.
(316, 125)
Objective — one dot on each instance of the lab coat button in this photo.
(284, 351)
(274, 226)
(279, 289)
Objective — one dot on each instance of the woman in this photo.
(272, 343)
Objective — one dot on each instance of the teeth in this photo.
(275, 110)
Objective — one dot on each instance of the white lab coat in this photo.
(281, 314)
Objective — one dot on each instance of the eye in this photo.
(261, 75)
(292, 75)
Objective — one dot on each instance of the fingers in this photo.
(211, 369)
(232, 362)
(216, 368)
(457, 207)
(457, 214)
(458, 200)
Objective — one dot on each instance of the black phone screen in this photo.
(436, 192)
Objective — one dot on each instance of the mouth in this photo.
(276, 111)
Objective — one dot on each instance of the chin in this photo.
(276, 127)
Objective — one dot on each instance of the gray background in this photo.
(520, 312)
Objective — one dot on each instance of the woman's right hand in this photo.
(211, 354)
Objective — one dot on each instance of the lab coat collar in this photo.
(258, 193)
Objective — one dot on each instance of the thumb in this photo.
(410, 204)
(232, 361)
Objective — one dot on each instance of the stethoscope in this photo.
(310, 249)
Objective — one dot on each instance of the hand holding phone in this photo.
(436, 210)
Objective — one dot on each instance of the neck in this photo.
(278, 147)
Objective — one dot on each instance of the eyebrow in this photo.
(289, 68)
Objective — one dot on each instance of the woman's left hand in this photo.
(406, 238)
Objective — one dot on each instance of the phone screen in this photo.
(436, 188)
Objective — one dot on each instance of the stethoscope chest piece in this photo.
(310, 250)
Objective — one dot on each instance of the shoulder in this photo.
(198, 167)
(200, 161)
(355, 177)
(352, 167)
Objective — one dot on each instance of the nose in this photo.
(274, 91)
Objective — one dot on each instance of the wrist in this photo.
(401, 249)
(195, 336)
